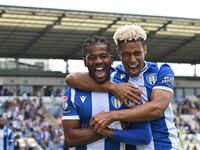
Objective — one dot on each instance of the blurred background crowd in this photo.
(33, 125)
(36, 126)
(187, 120)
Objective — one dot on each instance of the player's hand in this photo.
(101, 121)
(126, 91)
(107, 132)
(124, 125)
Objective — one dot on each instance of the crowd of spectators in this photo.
(187, 120)
(27, 118)
(31, 91)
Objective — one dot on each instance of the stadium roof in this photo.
(58, 34)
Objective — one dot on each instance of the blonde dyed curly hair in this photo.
(128, 33)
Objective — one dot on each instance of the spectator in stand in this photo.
(33, 125)
(6, 134)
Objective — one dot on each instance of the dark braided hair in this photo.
(92, 41)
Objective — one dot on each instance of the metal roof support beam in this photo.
(108, 26)
(195, 70)
(2, 12)
(176, 48)
(41, 34)
(97, 33)
(164, 26)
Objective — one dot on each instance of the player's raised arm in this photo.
(149, 111)
(84, 81)
(122, 91)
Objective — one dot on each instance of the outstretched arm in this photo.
(76, 136)
(84, 82)
(122, 91)
(160, 99)
(138, 133)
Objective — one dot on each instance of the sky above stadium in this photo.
(168, 8)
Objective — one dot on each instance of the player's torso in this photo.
(163, 129)
(89, 104)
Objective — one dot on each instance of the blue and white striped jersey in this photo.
(82, 105)
(6, 139)
(151, 77)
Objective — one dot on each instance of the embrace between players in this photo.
(123, 107)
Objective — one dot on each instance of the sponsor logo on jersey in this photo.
(116, 103)
(151, 78)
(83, 98)
(168, 80)
(131, 103)
(142, 101)
(65, 103)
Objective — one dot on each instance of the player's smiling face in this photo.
(132, 55)
(98, 60)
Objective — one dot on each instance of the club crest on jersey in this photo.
(151, 78)
(116, 103)
(83, 98)
(65, 98)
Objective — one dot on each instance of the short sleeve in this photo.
(69, 111)
(165, 78)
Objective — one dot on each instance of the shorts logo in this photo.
(116, 103)
(151, 78)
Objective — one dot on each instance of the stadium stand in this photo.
(32, 125)
(187, 119)
(58, 34)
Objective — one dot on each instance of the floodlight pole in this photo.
(195, 70)
(17, 63)
(67, 66)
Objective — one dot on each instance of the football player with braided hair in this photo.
(154, 82)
